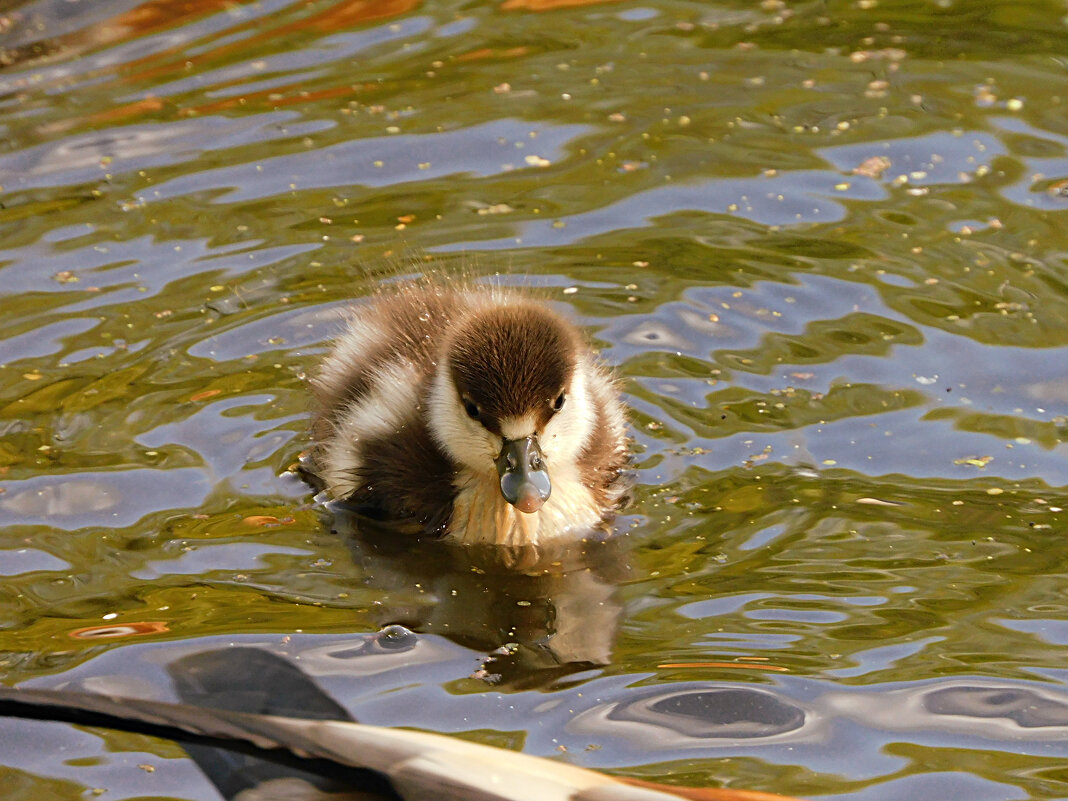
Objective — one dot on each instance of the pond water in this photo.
(825, 244)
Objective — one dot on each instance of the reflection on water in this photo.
(530, 608)
(821, 243)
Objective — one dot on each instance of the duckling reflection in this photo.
(472, 413)
(538, 612)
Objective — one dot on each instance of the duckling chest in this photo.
(481, 515)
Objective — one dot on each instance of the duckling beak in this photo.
(524, 480)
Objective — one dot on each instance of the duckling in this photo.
(473, 413)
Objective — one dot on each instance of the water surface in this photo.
(824, 244)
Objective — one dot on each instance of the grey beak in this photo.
(524, 480)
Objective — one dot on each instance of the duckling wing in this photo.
(605, 458)
(405, 476)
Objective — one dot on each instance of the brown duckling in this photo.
(470, 412)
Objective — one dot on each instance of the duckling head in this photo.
(510, 396)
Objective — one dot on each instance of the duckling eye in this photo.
(558, 404)
(471, 408)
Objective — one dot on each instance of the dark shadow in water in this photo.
(253, 680)
(734, 712)
(248, 680)
(538, 612)
(1022, 706)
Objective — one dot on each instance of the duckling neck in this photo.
(481, 515)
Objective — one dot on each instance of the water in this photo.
(823, 243)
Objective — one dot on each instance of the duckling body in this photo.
(471, 413)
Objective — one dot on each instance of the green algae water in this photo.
(824, 244)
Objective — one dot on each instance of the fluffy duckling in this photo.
(473, 413)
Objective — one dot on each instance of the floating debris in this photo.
(873, 167)
(496, 208)
(729, 665)
(878, 502)
(1058, 189)
(266, 520)
(975, 461)
(116, 630)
